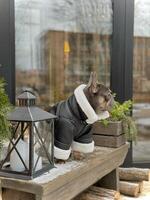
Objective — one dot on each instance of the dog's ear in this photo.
(92, 84)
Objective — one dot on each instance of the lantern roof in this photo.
(27, 111)
(29, 114)
(26, 95)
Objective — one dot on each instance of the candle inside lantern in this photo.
(15, 161)
(23, 149)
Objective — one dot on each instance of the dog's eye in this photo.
(107, 97)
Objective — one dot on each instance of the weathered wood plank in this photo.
(79, 182)
(101, 156)
(111, 180)
(38, 197)
(113, 128)
(109, 141)
(25, 186)
(9, 194)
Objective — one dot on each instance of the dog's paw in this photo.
(78, 155)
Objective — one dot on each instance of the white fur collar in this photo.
(86, 107)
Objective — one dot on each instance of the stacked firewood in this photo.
(131, 184)
(131, 180)
(98, 193)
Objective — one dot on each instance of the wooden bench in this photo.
(67, 180)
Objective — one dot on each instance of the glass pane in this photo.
(58, 44)
(141, 77)
(15, 152)
(43, 144)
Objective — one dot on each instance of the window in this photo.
(58, 44)
(141, 80)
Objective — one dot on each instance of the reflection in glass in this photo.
(141, 80)
(58, 44)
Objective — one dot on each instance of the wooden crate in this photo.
(109, 141)
(113, 128)
(110, 135)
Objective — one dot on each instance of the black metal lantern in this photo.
(29, 153)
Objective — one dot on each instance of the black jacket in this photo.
(71, 124)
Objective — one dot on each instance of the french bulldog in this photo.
(76, 115)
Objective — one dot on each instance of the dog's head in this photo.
(98, 95)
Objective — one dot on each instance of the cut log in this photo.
(98, 193)
(140, 185)
(86, 196)
(103, 192)
(92, 196)
(130, 189)
(134, 174)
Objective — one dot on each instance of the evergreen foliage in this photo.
(121, 112)
(5, 107)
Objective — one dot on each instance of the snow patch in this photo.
(60, 169)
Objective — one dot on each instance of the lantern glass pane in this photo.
(14, 154)
(43, 144)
